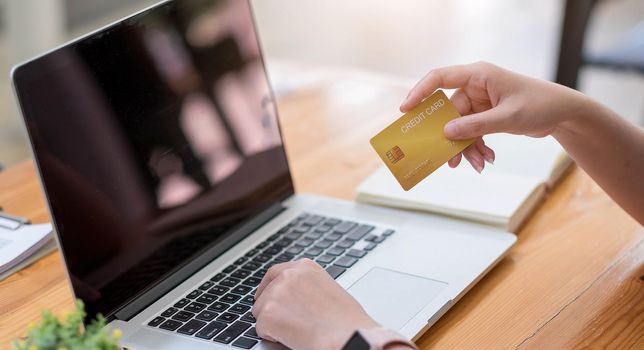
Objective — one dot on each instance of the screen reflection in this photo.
(154, 138)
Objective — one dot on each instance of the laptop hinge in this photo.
(164, 286)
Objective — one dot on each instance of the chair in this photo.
(628, 54)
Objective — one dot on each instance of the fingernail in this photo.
(488, 154)
(451, 130)
(478, 167)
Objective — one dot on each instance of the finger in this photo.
(271, 274)
(266, 320)
(448, 78)
(489, 155)
(475, 158)
(474, 125)
(455, 161)
(486, 152)
(461, 102)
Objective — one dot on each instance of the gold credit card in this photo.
(414, 146)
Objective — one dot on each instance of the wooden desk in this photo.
(575, 277)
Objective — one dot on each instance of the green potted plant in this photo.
(68, 333)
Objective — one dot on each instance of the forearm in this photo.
(609, 149)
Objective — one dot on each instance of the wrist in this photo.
(581, 113)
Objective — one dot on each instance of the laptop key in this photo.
(206, 299)
(285, 257)
(313, 220)
(369, 247)
(232, 332)
(346, 261)
(388, 233)
(360, 232)
(335, 251)
(252, 333)
(272, 251)
(248, 300)
(305, 242)
(294, 250)
(293, 235)
(206, 285)
(322, 229)
(230, 298)
(169, 312)
(181, 303)
(207, 315)
(241, 274)
(356, 253)
(230, 269)
(314, 235)
(240, 261)
(261, 273)
(333, 237)
(241, 290)
(262, 245)
(252, 266)
(251, 253)
(194, 294)
(284, 242)
(370, 238)
(239, 309)
(218, 307)
(245, 343)
(252, 281)
(170, 325)
(300, 230)
(335, 271)
(313, 252)
(227, 317)
(325, 259)
(323, 244)
(183, 316)
(379, 239)
(345, 244)
(332, 222)
(191, 327)
(230, 282)
(218, 277)
(248, 317)
(195, 307)
(219, 290)
(345, 227)
(211, 330)
(262, 258)
(156, 321)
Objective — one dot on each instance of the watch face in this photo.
(357, 342)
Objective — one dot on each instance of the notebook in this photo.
(22, 243)
(504, 195)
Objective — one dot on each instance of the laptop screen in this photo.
(155, 138)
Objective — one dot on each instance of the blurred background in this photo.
(594, 46)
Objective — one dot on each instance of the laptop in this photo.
(159, 150)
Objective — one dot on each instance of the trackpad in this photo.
(392, 298)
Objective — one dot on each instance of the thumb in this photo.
(475, 125)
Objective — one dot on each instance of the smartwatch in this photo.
(376, 339)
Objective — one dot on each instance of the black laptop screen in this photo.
(154, 138)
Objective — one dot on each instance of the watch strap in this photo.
(380, 338)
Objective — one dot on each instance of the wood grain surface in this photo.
(575, 278)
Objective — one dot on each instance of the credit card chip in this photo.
(395, 154)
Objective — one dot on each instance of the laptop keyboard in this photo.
(219, 309)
